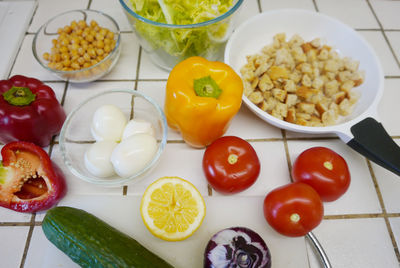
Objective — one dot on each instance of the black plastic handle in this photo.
(372, 141)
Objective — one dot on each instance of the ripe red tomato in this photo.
(293, 209)
(231, 164)
(323, 169)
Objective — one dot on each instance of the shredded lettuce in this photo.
(202, 41)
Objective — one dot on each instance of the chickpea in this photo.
(80, 45)
(63, 49)
(100, 44)
(107, 49)
(92, 52)
(46, 56)
(81, 61)
(93, 23)
(82, 24)
(65, 56)
(87, 57)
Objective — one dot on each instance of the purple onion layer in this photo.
(237, 247)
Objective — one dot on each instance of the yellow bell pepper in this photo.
(201, 99)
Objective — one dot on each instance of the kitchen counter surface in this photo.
(361, 229)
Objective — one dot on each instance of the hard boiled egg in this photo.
(108, 123)
(136, 126)
(98, 158)
(133, 154)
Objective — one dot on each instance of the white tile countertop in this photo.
(361, 229)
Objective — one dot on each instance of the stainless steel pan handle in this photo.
(372, 141)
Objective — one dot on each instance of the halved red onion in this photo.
(237, 247)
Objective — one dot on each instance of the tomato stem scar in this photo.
(232, 159)
(295, 217)
(328, 165)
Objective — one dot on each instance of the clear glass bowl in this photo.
(76, 137)
(168, 44)
(42, 43)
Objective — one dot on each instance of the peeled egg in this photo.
(108, 123)
(98, 158)
(136, 126)
(133, 154)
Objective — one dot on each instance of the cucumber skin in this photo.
(90, 242)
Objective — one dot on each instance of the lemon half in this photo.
(172, 208)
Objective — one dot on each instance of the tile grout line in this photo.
(384, 212)
(289, 163)
(28, 240)
(135, 87)
(315, 5)
(384, 33)
(377, 188)
(259, 6)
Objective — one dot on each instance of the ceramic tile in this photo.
(394, 39)
(349, 242)
(361, 186)
(274, 169)
(389, 184)
(37, 250)
(50, 8)
(26, 64)
(156, 91)
(58, 89)
(388, 106)
(78, 93)
(247, 125)
(11, 254)
(246, 11)
(357, 243)
(76, 185)
(346, 11)
(395, 225)
(382, 50)
(149, 70)
(115, 10)
(278, 4)
(387, 13)
(127, 63)
(177, 160)
(7, 215)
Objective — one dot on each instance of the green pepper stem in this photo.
(19, 96)
(206, 87)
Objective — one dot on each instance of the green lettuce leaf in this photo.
(201, 41)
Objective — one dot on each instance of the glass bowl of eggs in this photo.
(114, 138)
(78, 45)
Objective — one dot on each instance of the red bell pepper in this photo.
(29, 111)
(29, 180)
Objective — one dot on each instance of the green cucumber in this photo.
(90, 242)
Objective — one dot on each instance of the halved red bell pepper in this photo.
(29, 180)
(29, 111)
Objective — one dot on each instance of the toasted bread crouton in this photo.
(276, 72)
(291, 100)
(279, 94)
(307, 108)
(256, 97)
(265, 83)
(291, 115)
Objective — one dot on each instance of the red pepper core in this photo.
(29, 111)
(29, 180)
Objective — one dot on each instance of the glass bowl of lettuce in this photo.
(173, 30)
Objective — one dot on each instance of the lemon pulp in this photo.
(172, 208)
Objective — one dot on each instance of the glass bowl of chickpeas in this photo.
(78, 45)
